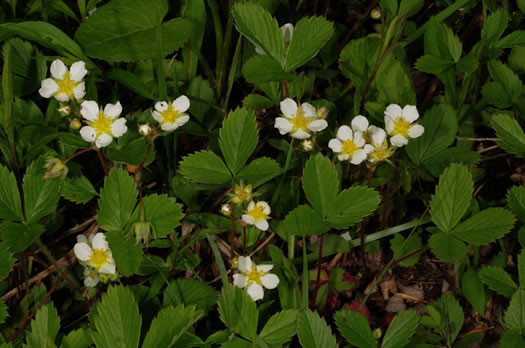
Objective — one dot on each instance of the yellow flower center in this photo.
(349, 147)
(299, 121)
(257, 213)
(170, 116)
(241, 193)
(254, 276)
(99, 257)
(401, 127)
(381, 153)
(102, 124)
(66, 85)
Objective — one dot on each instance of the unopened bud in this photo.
(307, 145)
(64, 109)
(226, 209)
(375, 14)
(377, 333)
(55, 168)
(322, 113)
(75, 124)
(235, 263)
(145, 129)
(142, 231)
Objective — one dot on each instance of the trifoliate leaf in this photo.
(78, 190)
(446, 247)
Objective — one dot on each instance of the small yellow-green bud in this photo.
(377, 333)
(226, 209)
(307, 145)
(145, 129)
(322, 113)
(55, 168)
(235, 263)
(142, 231)
(375, 14)
(64, 109)
(75, 124)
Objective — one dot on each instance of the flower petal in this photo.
(244, 264)
(62, 97)
(289, 107)
(103, 140)
(309, 110)
(91, 282)
(239, 280)
(358, 157)
(264, 268)
(300, 134)
(82, 251)
(118, 128)
(398, 140)
(287, 30)
(108, 268)
(161, 106)
(416, 131)
(378, 137)
(359, 123)
(78, 71)
(270, 281)
(99, 241)
(88, 133)
(368, 148)
(345, 133)
(283, 125)
(410, 113)
(255, 291)
(168, 127)
(343, 157)
(317, 125)
(157, 116)
(335, 145)
(113, 110)
(393, 111)
(248, 219)
(89, 110)
(82, 239)
(389, 125)
(182, 103)
(359, 141)
(48, 88)
(182, 120)
(262, 224)
(79, 91)
(266, 207)
(58, 69)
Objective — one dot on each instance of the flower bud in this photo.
(226, 209)
(75, 124)
(322, 113)
(64, 109)
(55, 168)
(142, 231)
(145, 129)
(375, 14)
(377, 333)
(307, 145)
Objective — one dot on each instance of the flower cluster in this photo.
(254, 277)
(94, 254)
(299, 120)
(65, 84)
(362, 141)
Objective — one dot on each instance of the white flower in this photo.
(103, 125)
(360, 124)
(65, 84)
(349, 145)
(96, 255)
(253, 278)
(378, 149)
(287, 30)
(90, 277)
(398, 124)
(171, 114)
(257, 214)
(299, 121)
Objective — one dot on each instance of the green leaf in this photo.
(117, 200)
(433, 64)
(238, 311)
(452, 198)
(132, 152)
(78, 190)
(352, 205)
(6, 261)
(127, 254)
(313, 331)
(257, 102)
(129, 80)
(79, 338)
(116, 319)
(357, 60)
(304, 221)
(259, 69)
(512, 339)
(494, 27)
(514, 39)
(452, 317)
(355, 329)
(162, 212)
(400, 330)
(441, 127)
(309, 36)
(190, 291)
(403, 247)
(485, 227)
(119, 31)
(48, 36)
(511, 133)
(3, 312)
(258, 26)
(516, 201)
(474, 290)
(169, 325)
(495, 94)
(19, 236)
(389, 7)
(259, 171)
(446, 247)
(508, 79)
(202, 97)
(521, 269)
(40, 195)
(238, 138)
(205, 167)
(320, 184)
(410, 7)
(10, 205)
(468, 64)
(438, 163)
(498, 280)
(280, 328)
(195, 11)
(27, 69)
(44, 328)
(514, 318)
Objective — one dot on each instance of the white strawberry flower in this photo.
(171, 114)
(254, 277)
(257, 214)
(349, 145)
(287, 31)
(96, 254)
(103, 125)
(378, 149)
(299, 121)
(399, 124)
(65, 84)
(91, 278)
